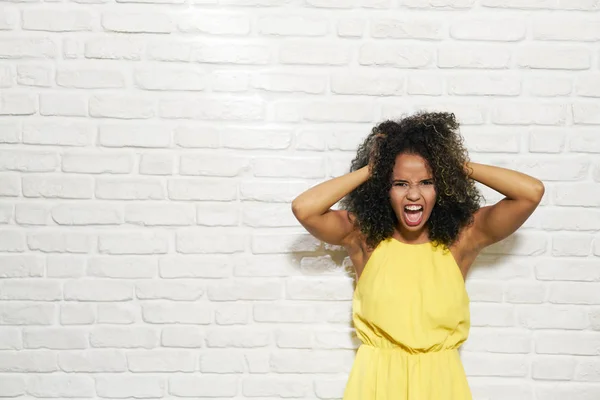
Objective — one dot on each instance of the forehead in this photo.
(411, 166)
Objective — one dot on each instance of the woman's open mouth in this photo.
(413, 215)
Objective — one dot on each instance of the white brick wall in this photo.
(150, 150)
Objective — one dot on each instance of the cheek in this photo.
(431, 197)
(395, 199)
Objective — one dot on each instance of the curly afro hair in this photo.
(434, 136)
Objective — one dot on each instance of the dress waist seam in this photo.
(408, 352)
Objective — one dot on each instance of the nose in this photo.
(413, 195)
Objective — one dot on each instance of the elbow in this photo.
(297, 210)
(539, 191)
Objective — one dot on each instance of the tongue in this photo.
(413, 217)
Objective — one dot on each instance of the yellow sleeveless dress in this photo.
(411, 312)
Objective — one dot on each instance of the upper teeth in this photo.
(413, 208)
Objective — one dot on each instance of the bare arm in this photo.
(313, 207)
(523, 195)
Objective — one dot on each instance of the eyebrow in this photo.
(404, 180)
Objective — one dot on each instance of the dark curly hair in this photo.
(434, 136)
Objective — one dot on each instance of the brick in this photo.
(160, 214)
(33, 213)
(26, 313)
(124, 337)
(57, 20)
(58, 186)
(489, 29)
(98, 290)
(95, 162)
(522, 4)
(587, 85)
(586, 113)
(169, 79)
(21, 266)
(550, 86)
(571, 29)
(126, 267)
(168, 51)
(272, 139)
(137, 22)
(332, 4)
(473, 56)
(173, 313)
(12, 240)
(197, 136)
(393, 55)
(284, 25)
(546, 56)
(483, 85)
(6, 213)
(413, 28)
(282, 82)
(55, 338)
(59, 133)
(74, 313)
(34, 75)
(303, 53)
(247, 54)
(340, 111)
(588, 194)
(115, 386)
(216, 24)
(65, 266)
(87, 214)
(55, 241)
(133, 243)
(195, 241)
(555, 368)
(63, 104)
(213, 109)
(203, 386)
(129, 189)
(213, 165)
(217, 214)
(9, 18)
(584, 140)
(24, 48)
(17, 104)
(157, 164)
(185, 337)
(296, 167)
(113, 48)
(439, 4)
(368, 84)
(93, 361)
(138, 135)
(12, 386)
(528, 113)
(10, 184)
(202, 189)
(351, 27)
(121, 107)
(87, 78)
(269, 191)
(230, 81)
(10, 132)
(178, 290)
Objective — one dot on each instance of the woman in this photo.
(412, 225)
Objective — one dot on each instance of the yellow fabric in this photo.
(411, 312)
